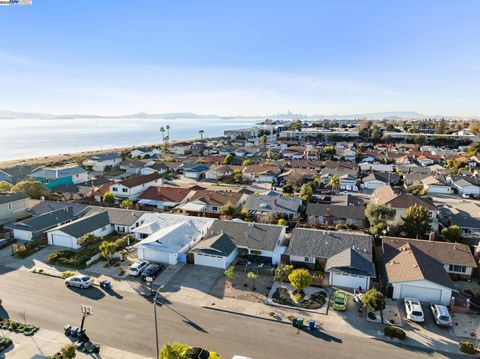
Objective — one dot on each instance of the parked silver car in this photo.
(414, 310)
(79, 281)
(137, 268)
(441, 315)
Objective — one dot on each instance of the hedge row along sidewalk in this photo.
(17, 327)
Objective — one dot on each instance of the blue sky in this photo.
(241, 57)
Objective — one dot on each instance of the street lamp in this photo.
(155, 314)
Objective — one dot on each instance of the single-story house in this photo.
(464, 214)
(170, 243)
(195, 170)
(466, 185)
(157, 167)
(262, 241)
(421, 269)
(379, 179)
(135, 166)
(346, 256)
(261, 174)
(15, 174)
(132, 187)
(144, 152)
(36, 227)
(67, 235)
(342, 210)
(208, 201)
(436, 185)
(103, 161)
(272, 203)
(13, 206)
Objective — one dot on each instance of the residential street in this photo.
(125, 321)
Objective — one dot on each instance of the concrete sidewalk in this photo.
(46, 343)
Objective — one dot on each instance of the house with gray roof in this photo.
(103, 161)
(36, 227)
(346, 256)
(14, 174)
(52, 177)
(68, 234)
(272, 203)
(342, 210)
(264, 242)
(13, 206)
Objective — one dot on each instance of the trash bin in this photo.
(311, 324)
(66, 329)
(300, 323)
(107, 284)
(74, 332)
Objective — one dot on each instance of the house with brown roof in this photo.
(163, 197)
(258, 173)
(132, 187)
(402, 201)
(208, 201)
(422, 269)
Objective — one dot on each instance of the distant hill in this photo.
(189, 115)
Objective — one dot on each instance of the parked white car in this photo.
(137, 268)
(414, 310)
(441, 316)
(79, 281)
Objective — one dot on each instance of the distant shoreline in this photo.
(68, 157)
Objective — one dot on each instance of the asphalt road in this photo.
(125, 321)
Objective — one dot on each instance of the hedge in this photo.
(395, 332)
(467, 347)
(5, 343)
(17, 327)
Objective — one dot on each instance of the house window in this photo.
(306, 259)
(457, 269)
(124, 190)
(214, 208)
(114, 189)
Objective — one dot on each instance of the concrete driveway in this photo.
(39, 259)
(199, 278)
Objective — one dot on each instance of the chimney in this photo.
(431, 236)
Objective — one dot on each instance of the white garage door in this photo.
(209, 261)
(349, 280)
(22, 235)
(63, 241)
(152, 255)
(423, 294)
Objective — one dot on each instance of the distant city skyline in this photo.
(245, 58)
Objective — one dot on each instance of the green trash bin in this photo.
(300, 323)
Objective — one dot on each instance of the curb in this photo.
(246, 315)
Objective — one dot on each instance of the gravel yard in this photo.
(240, 287)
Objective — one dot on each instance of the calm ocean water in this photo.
(34, 138)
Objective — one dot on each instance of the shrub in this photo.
(17, 327)
(395, 332)
(20, 251)
(300, 279)
(67, 274)
(5, 343)
(467, 347)
(282, 272)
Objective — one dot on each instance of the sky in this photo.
(241, 57)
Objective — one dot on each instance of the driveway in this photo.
(39, 259)
(200, 278)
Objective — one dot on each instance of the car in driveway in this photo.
(339, 301)
(151, 270)
(137, 268)
(441, 316)
(414, 310)
(79, 281)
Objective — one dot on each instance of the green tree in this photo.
(5, 186)
(452, 233)
(288, 189)
(201, 132)
(109, 198)
(329, 150)
(229, 209)
(88, 240)
(238, 178)
(417, 221)
(251, 276)
(373, 300)
(247, 162)
(107, 249)
(296, 126)
(282, 222)
(300, 279)
(282, 272)
(378, 216)
(126, 204)
(306, 192)
(33, 189)
(230, 272)
(175, 350)
(334, 182)
(262, 141)
(228, 159)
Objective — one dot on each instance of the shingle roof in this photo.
(463, 214)
(351, 260)
(44, 221)
(57, 172)
(251, 235)
(219, 245)
(409, 263)
(325, 244)
(165, 194)
(215, 198)
(12, 197)
(85, 225)
(260, 169)
(408, 200)
(273, 204)
(48, 206)
(138, 180)
(336, 210)
(444, 252)
(118, 216)
(104, 157)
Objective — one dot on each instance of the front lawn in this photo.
(315, 301)
(240, 287)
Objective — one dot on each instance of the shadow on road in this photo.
(112, 293)
(186, 320)
(3, 313)
(317, 333)
(92, 292)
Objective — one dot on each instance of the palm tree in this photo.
(201, 132)
(168, 134)
(334, 182)
(162, 130)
